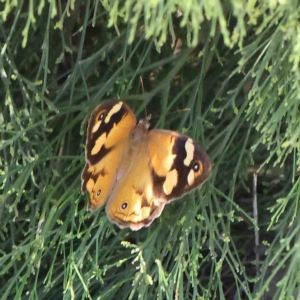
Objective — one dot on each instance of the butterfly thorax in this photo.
(135, 149)
(141, 129)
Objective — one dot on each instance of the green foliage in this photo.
(233, 84)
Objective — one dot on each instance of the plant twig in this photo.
(255, 216)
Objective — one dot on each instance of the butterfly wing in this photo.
(178, 164)
(132, 203)
(165, 166)
(108, 130)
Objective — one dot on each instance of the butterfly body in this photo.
(136, 171)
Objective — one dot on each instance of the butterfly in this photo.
(137, 171)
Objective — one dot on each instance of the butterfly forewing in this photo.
(132, 203)
(109, 125)
(178, 164)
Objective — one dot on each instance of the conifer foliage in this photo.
(224, 72)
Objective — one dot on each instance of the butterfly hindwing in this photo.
(100, 178)
(132, 202)
(107, 135)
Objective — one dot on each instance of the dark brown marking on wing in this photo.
(182, 186)
(85, 176)
(94, 159)
(200, 155)
(103, 172)
(183, 171)
(155, 211)
(137, 191)
(145, 202)
(104, 128)
(96, 175)
(157, 182)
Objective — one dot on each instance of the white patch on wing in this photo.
(189, 148)
(99, 144)
(96, 126)
(170, 182)
(113, 110)
(191, 177)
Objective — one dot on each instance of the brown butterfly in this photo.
(135, 170)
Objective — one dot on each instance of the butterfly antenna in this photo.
(142, 84)
(143, 90)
